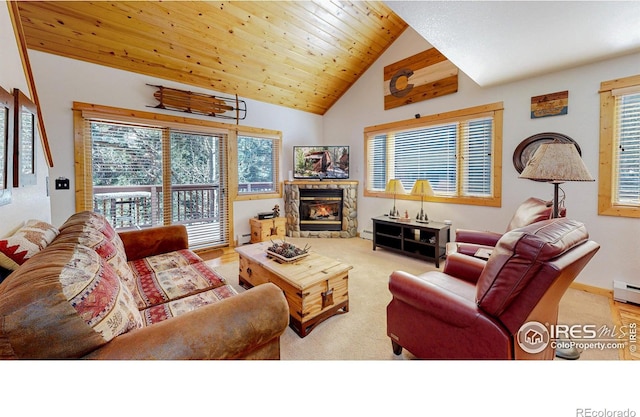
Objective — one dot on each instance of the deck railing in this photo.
(141, 206)
(198, 206)
(256, 187)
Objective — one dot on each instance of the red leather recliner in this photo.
(474, 309)
(532, 210)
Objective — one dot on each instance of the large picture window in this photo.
(458, 152)
(619, 176)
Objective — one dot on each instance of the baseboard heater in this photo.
(625, 292)
(243, 239)
(366, 234)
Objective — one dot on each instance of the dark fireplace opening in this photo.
(321, 209)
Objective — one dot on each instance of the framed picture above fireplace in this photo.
(321, 162)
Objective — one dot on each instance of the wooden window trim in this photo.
(606, 174)
(494, 109)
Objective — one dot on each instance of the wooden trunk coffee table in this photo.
(316, 287)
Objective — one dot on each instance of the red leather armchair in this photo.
(532, 210)
(474, 309)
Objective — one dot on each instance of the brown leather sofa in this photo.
(475, 309)
(93, 293)
(530, 211)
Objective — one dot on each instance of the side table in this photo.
(262, 230)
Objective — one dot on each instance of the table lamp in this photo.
(556, 162)
(395, 187)
(422, 188)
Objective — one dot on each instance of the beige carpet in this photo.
(360, 334)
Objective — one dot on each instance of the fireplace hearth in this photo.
(321, 208)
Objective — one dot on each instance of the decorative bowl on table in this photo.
(286, 252)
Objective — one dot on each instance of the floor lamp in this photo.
(422, 188)
(557, 162)
(394, 187)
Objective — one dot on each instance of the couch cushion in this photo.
(518, 257)
(175, 308)
(30, 239)
(172, 276)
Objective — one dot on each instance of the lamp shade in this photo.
(422, 188)
(394, 187)
(556, 162)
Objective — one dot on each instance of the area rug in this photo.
(360, 334)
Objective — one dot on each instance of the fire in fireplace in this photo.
(320, 209)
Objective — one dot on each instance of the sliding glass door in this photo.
(133, 165)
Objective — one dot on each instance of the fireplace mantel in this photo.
(349, 208)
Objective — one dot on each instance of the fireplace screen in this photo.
(320, 209)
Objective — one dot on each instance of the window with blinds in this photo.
(619, 175)
(455, 151)
(627, 152)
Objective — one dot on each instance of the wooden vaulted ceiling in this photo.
(299, 54)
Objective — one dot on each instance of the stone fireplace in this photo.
(325, 209)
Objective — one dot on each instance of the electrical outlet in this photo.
(62, 184)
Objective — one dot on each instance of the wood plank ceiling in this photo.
(299, 54)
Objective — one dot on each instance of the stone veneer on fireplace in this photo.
(349, 208)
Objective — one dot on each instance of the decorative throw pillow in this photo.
(30, 239)
(107, 250)
(101, 300)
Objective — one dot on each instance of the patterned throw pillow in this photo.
(94, 290)
(30, 239)
(107, 250)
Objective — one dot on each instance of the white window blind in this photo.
(427, 153)
(125, 154)
(455, 157)
(126, 171)
(199, 186)
(476, 145)
(627, 152)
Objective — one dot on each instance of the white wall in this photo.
(619, 237)
(83, 82)
(29, 202)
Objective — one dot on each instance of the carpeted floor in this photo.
(360, 334)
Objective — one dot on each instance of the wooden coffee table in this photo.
(316, 287)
